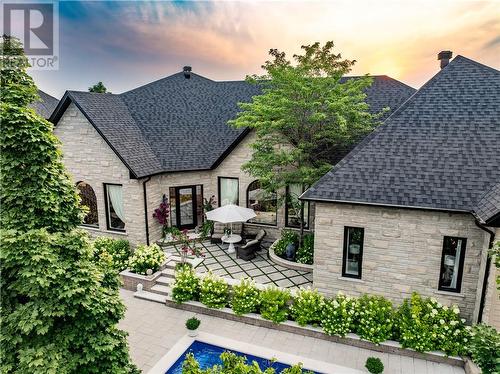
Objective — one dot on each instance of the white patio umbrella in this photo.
(230, 213)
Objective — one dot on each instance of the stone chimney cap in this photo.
(187, 71)
(444, 57)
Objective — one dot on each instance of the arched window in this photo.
(263, 203)
(89, 200)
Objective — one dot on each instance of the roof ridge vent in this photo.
(187, 71)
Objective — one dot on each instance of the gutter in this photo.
(486, 272)
(146, 219)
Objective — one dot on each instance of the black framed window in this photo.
(88, 199)
(452, 264)
(115, 216)
(186, 206)
(264, 204)
(228, 190)
(292, 207)
(353, 252)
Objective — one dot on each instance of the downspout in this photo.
(486, 272)
(146, 219)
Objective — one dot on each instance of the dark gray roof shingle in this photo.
(179, 124)
(439, 150)
(46, 105)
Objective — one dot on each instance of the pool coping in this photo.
(389, 346)
(246, 348)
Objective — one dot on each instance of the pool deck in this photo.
(154, 329)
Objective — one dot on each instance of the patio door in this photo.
(185, 205)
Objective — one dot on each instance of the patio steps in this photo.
(161, 289)
(165, 280)
(151, 296)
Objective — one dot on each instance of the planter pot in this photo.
(290, 251)
(193, 333)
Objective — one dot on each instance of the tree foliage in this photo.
(58, 312)
(99, 87)
(305, 117)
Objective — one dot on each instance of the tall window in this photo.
(292, 207)
(452, 264)
(263, 203)
(228, 191)
(88, 199)
(115, 216)
(353, 252)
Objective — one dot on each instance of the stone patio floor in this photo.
(154, 328)
(261, 269)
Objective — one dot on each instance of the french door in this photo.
(185, 206)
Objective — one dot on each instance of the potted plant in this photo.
(192, 325)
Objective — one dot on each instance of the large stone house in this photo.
(416, 205)
(170, 138)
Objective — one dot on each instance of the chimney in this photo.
(187, 71)
(444, 57)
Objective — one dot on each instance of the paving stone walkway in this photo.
(261, 269)
(154, 329)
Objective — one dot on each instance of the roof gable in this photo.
(180, 124)
(45, 105)
(439, 150)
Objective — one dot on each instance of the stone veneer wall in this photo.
(88, 158)
(491, 312)
(402, 253)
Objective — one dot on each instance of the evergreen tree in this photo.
(57, 315)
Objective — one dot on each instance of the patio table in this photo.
(231, 239)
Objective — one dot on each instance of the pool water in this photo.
(207, 356)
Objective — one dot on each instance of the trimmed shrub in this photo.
(307, 306)
(274, 304)
(305, 254)
(146, 257)
(484, 348)
(186, 286)
(374, 365)
(193, 323)
(245, 297)
(214, 291)
(115, 251)
(375, 318)
(338, 315)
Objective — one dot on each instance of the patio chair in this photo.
(247, 251)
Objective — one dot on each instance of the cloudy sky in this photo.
(129, 43)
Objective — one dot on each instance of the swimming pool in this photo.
(207, 356)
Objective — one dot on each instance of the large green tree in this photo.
(306, 116)
(57, 314)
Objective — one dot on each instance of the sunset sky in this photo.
(126, 44)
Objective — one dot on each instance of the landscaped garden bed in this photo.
(292, 253)
(420, 327)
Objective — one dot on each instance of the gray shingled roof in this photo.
(46, 105)
(179, 124)
(439, 150)
(488, 206)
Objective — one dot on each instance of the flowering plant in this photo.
(162, 213)
(274, 304)
(485, 348)
(146, 257)
(338, 315)
(186, 286)
(245, 297)
(115, 252)
(214, 291)
(427, 325)
(375, 318)
(307, 306)
(188, 246)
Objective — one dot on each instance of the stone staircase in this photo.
(163, 286)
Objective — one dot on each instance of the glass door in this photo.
(184, 207)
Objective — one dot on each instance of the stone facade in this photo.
(401, 254)
(88, 158)
(491, 313)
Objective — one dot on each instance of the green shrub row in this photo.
(419, 323)
(114, 252)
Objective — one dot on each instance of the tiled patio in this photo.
(261, 269)
(154, 329)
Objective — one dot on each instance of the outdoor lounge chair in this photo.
(247, 251)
